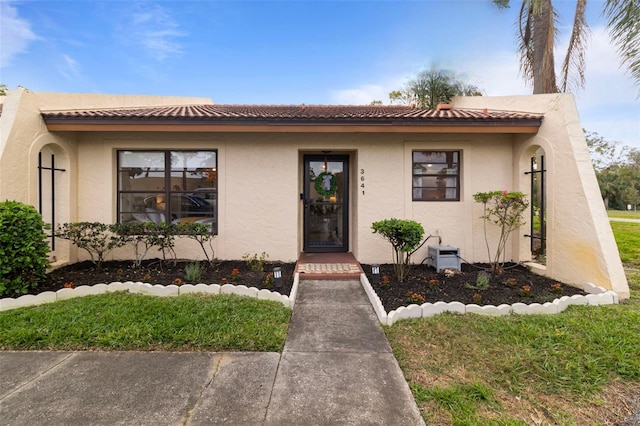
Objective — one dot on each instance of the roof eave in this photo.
(303, 126)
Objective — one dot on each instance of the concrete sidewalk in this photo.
(622, 219)
(336, 368)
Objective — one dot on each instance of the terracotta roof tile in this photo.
(294, 114)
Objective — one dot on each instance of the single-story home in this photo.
(291, 179)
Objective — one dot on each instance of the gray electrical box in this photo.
(443, 257)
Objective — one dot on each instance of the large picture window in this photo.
(436, 175)
(168, 186)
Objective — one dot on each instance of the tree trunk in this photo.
(544, 73)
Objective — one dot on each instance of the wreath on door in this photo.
(326, 184)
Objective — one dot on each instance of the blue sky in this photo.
(292, 52)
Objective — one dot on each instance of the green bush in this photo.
(144, 236)
(201, 234)
(405, 237)
(255, 263)
(98, 238)
(94, 237)
(23, 249)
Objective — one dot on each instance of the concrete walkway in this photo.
(336, 369)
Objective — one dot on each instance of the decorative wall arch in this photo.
(539, 223)
(51, 191)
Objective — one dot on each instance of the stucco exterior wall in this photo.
(24, 135)
(581, 246)
(24, 132)
(260, 177)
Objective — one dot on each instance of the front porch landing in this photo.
(328, 266)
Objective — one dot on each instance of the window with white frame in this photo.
(167, 186)
(436, 175)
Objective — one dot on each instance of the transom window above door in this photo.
(436, 175)
(168, 186)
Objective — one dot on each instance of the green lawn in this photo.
(578, 367)
(124, 321)
(628, 238)
(624, 214)
(574, 368)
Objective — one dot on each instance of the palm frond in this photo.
(623, 20)
(502, 4)
(525, 49)
(573, 67)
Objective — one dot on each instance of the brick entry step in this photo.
(328, 266)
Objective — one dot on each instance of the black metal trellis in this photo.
(538, 172)
(53, 169)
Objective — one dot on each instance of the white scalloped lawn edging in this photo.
(596, 296)
(150, 290)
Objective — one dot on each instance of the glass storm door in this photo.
(326, 201)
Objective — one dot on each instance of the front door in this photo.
(326, 203)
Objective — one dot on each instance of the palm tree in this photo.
(537, 32)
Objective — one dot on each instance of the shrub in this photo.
(96, 238)
(193, 272)
(269, 280)
(505, 209)
(163, 236)
(405, 237)
(143, 235)
(255, 263)
(482, 282)
(23, 248)
(201, 234)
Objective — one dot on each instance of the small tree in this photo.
(405, 237)
(505, 210)
(429, 88)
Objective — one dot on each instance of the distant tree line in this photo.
(618, 171)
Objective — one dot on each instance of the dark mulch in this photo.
(165, 273)
(423, 282)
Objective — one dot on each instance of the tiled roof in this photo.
(293, 114)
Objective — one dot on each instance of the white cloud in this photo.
(68, 67)
(15, 33)
(496, 74)
(609, 103)
(155, 29)
(362, 95)
(607, 83)
(366, 93)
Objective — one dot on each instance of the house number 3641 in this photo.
(362, 180)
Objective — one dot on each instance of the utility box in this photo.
(443, 257)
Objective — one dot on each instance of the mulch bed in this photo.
(422, 285)
(166, 273)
